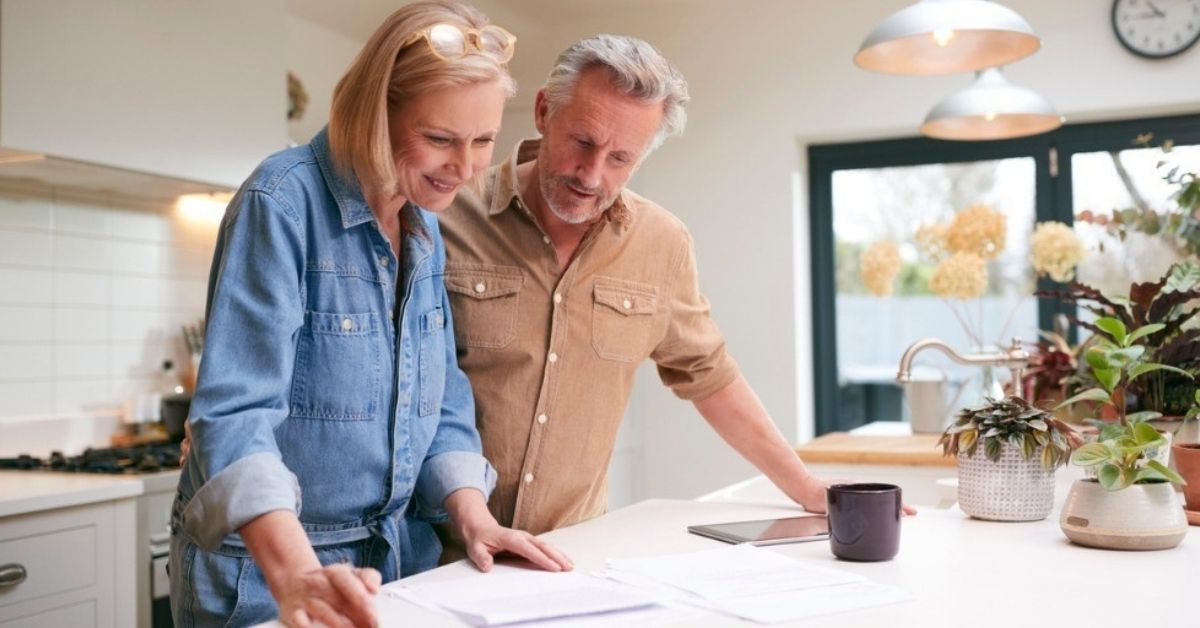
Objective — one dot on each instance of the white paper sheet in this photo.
(496, 599)
(730, 572)
(807, 603)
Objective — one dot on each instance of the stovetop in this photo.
(148, 458)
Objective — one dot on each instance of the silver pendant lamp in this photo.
(947, 37)
(991, 109)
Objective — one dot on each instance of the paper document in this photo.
(794, 605)
(733, 571)
(506, 598)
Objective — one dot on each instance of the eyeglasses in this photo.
(450, 42)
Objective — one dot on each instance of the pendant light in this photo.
(991, 109)
(946, 37)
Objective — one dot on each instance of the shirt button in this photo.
(627, 303)
(546, 239)
(557, 298)
(383, 261)
(553, 358)
(347, 324)
(480, 287)
(528, 478)
(542, 419)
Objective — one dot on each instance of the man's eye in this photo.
(484, 141)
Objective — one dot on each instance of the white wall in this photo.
(768, 77)
(319, 57)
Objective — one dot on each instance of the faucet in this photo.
(1015, 358)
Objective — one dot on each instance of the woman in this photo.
(329, 374)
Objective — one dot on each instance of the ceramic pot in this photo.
(1140, 517)
(1010, 489)
(1187, 462)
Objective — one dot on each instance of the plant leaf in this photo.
(1144, 415)
(1166, 473)
(1126, 356)
(1149, 367)
(1114, 328)
(1097, 358)
(1114, 478)
(1145, 434)
(1145, 330)
(1090, 455)
(1091, 394)
(1107, 377)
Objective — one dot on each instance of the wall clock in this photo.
(1156, 29)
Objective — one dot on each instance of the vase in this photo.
(1009, 489)
(1139, 517)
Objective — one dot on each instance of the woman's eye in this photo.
(438, 140)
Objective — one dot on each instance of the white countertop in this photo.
(963, 572)
(24, 492)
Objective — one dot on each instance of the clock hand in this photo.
(1157, 12)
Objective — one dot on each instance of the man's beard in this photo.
(584, 211)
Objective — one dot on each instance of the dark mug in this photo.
(864, 521)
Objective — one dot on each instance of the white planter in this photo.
(1011, 489)
(1140, 517)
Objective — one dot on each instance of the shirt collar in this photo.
(347, 193)
(507, 189)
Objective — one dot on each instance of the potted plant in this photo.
(1131, 503)
(1007, 452)
(1186, 457)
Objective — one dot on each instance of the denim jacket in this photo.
(310, 387)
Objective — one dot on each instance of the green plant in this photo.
(1012, 420)
(1123, 451)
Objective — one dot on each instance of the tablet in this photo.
(767, 531)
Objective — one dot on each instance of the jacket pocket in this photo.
(338, 367)
(622, 318)
(484, 298)
(432, 367)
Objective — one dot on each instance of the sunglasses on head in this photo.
(451, 42)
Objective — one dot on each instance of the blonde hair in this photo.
(386, 74)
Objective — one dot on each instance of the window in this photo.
(866, 192)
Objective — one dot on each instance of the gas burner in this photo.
(147, 458)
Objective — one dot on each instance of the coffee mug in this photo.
(864, 521)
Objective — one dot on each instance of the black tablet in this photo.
(767, 531)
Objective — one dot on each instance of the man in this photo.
(561, 282)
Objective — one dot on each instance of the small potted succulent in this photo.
(1131, 503)
(1007, 452)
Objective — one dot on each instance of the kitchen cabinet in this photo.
(194, 91)
(67, 563)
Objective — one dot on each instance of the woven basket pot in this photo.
(1011, 489)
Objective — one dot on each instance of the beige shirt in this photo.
(551, 353)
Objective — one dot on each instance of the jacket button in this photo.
(347, 324)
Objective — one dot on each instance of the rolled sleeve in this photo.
(692, 360)
(445, 473)
(255, 309)
(241, 492)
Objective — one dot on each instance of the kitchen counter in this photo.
(23, 492)
(880, 443)
(955, 566)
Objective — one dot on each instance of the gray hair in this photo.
(637, 69)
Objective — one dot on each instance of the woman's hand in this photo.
(334, 596)
(483, 537)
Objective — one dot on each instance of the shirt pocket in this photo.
(432, 367)
(485, 299)
(622, 319)
(338, 367)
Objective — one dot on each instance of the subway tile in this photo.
(138, 359)
(80, 325)
(25, 213)
(139, 225)
(72, 288)
(137, 257)
(26, 361)
(26, 324)
(187, 262)
(25, 248)
(136, 325)
(83, 395)
(82, 253)
(20, 286)
(192, 233)
(81, 360)
(137, 292)
(187, 294)
(81, 219)
(26, 398)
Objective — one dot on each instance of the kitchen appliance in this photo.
(157, 466)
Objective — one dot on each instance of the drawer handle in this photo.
(11, 575)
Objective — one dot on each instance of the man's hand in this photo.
(185, 445)
(335, 596)
(812, 495)
(491, 539)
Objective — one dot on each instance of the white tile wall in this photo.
(91, 299)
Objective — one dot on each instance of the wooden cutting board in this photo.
(918, 450)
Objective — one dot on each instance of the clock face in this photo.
(1156, 28)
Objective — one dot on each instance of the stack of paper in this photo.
(753, 583)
